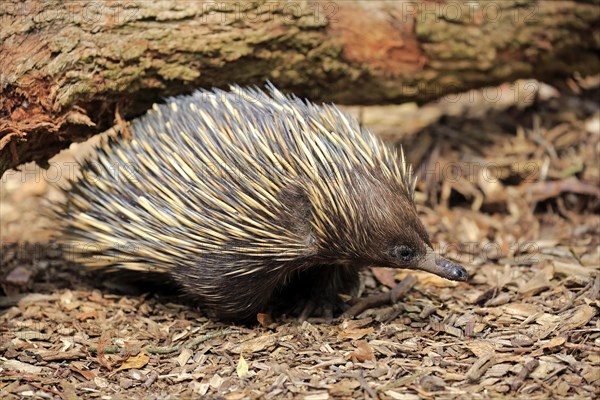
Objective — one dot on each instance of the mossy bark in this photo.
(67, 67)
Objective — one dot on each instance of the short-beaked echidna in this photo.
(246, 195)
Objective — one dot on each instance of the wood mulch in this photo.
(525, 325)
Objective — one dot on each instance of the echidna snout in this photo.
(246, 196)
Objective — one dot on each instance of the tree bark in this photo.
(68, 68)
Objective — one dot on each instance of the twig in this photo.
(121, 123)
(523, 374)
(152, 376)
(163, 349)
(595, 288)
(583, 347)
(544, 190)
(334, 361)
(481, 366)
(380, 299)
(575, 297)
(106, 349)
(365, 385)
(45, 389)
(211, 335)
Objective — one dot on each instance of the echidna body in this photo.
(242, 196)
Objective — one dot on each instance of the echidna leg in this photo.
(320, 289)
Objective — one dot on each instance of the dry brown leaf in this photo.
(363, 352)
(264, 319)
(88, 375)
(136, 362)
(385, 276)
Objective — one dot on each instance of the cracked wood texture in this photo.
(67, 68)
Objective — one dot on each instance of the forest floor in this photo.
(508, 187)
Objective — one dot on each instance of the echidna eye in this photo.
(403, 253)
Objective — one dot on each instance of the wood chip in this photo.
(480, 367)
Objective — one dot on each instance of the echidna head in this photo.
(371, 220)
